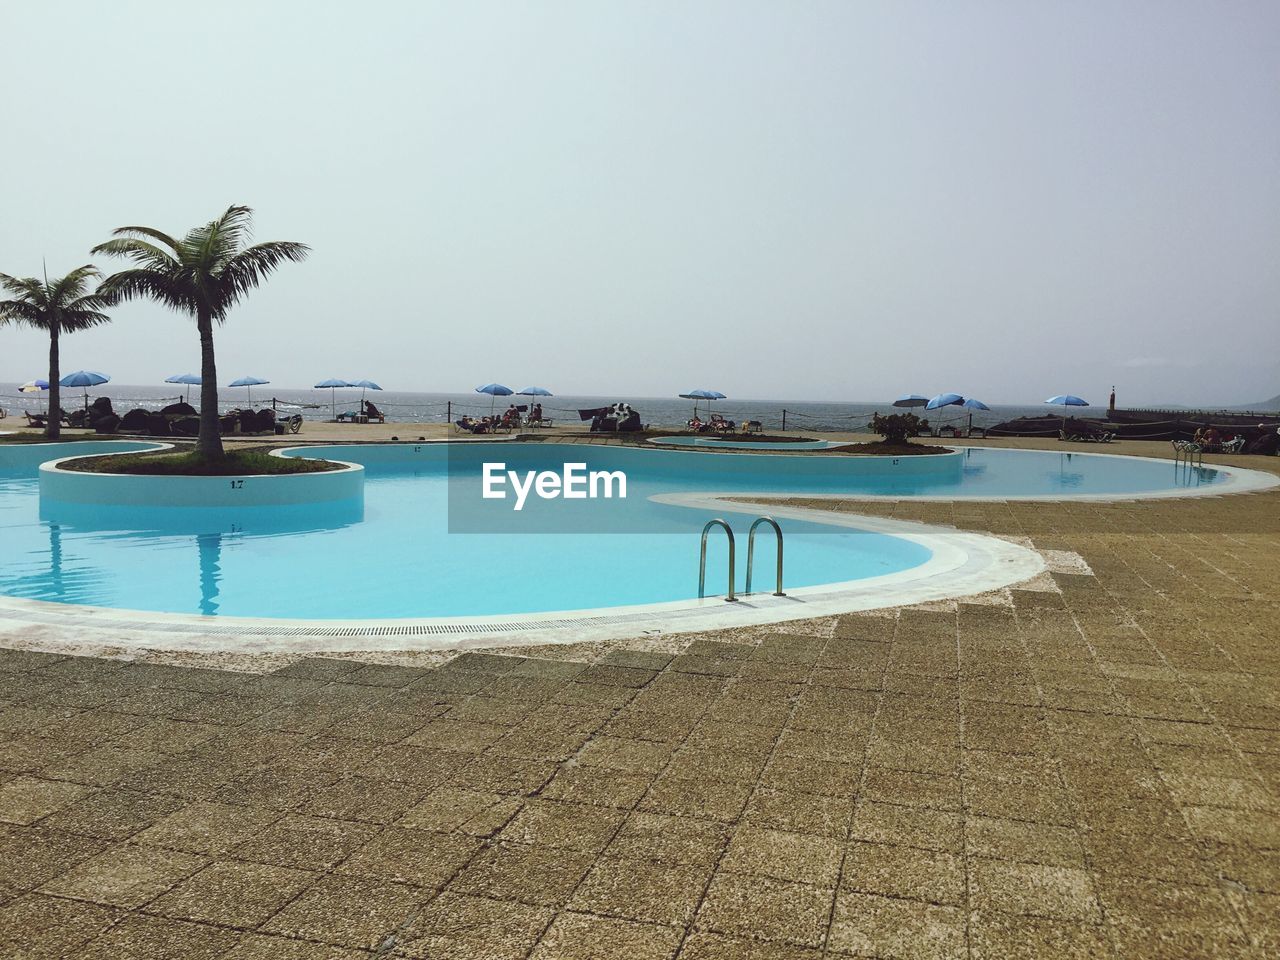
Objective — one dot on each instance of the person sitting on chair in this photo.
(372, 412)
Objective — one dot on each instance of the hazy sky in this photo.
(786, 200)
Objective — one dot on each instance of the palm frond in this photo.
(25, 288)
(248, 268)
(63, 290)
(142, 252)
(151, 232)
(21, 312)
(156, 285)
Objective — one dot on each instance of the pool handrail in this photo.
(751, 550)
(702, 559)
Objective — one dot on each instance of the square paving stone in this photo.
(231, 893)
(36, 927)
(799, 812)
(576, 936)
(597, 786)
(475, 812)
(1000, 936)
(1060, 893)
(139, 937)
(30, 855)
(114, 814)
(707, 799)
(1028, 842)
(509, 775)
(761, 908)
(458, 735)
(626, 754)
(459, 927)
(643, 890)
(907, 872)
(258, 946)
(349, 912)
(362, 798)
(784, 856)
(419, 857)
(125, 875)
(812, 776)
(884, 927)
(306, 843)
(573, 826)
(908, 826)
(701, 945)
(208, 828)
(539, 875)
(911, 789)
(670, 839)
(25, 800)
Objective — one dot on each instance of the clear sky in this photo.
(783, 200)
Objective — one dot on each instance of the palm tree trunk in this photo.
(209, 441)
(53, 426)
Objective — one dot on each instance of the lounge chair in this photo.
(1234, 446)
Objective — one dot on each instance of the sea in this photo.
(409, 407)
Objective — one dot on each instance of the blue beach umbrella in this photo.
(364, 385)
(34, 386)
(535, 392)
(973, 404)
(249, 383)
(696, 395)
(85, 379)
(911, 400)
(1066, 400)
(189, 379)
(945, 400)
(494, 390)
(332, 384)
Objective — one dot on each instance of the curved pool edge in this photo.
(962, 564)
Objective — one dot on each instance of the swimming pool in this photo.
(416, 550)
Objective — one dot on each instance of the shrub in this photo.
(896, 427)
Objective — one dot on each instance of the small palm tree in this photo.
(204, 274)
(58, 306)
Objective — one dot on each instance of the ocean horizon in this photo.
(404, 406)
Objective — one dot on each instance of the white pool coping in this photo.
(961, 564)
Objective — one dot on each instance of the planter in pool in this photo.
(130, 501)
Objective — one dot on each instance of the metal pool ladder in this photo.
(702, 559)
(751, 551)
(751, 544)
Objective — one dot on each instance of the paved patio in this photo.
(1088, 767)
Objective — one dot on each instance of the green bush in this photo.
(896, 427)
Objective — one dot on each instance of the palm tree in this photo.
(62, 305)
(204, 275)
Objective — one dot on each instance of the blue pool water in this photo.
(399, 557)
